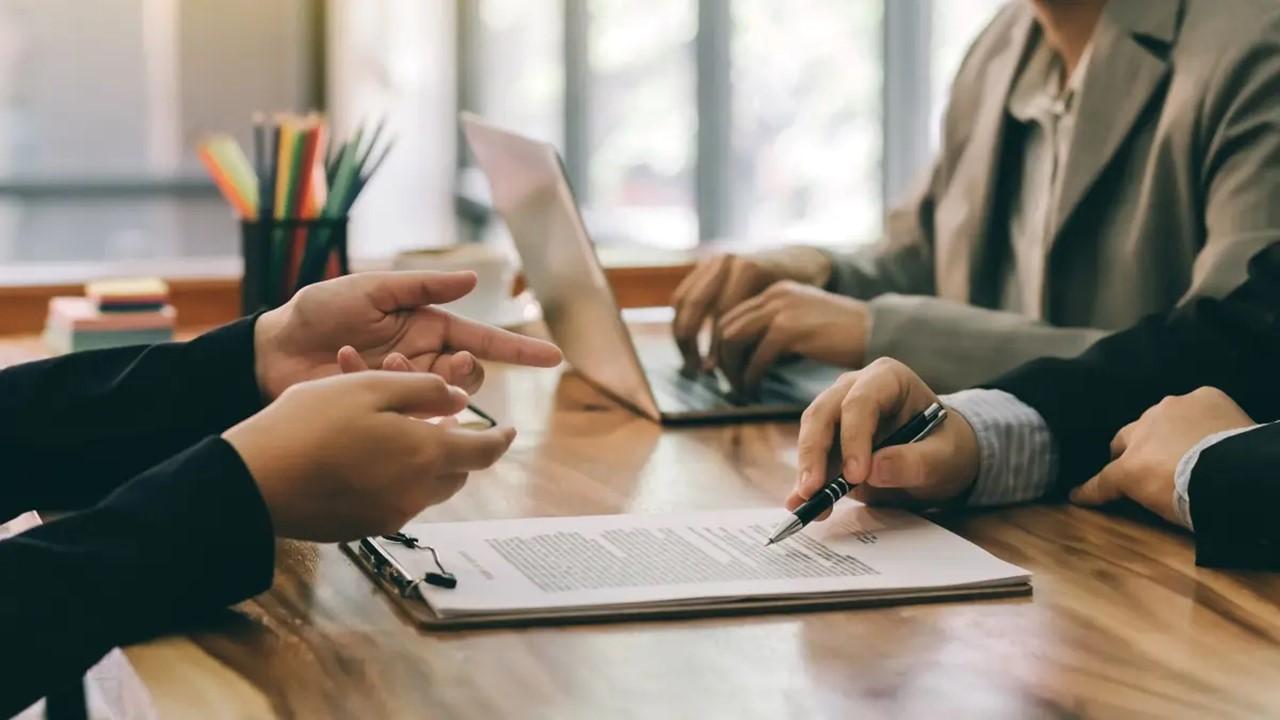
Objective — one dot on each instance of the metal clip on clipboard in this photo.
(385, 566)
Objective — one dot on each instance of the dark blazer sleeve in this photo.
(169, 523)
(74, 428)
(1232, 344)
(184, 538)
(1235, 490)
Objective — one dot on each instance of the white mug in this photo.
(495, 276)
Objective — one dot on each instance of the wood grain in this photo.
(1121, 624)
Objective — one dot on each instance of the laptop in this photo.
(532, 194)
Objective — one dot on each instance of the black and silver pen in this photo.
(917, 428)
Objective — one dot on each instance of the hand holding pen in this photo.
(867, 404)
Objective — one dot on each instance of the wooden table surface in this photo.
(1121, 622)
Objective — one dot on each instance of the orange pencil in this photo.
(222, 179)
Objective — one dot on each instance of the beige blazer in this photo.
(1172, 183)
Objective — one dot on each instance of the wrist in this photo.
(266, 331)
(858, 325)
(803, 264)
(268, 468)
(968, 459)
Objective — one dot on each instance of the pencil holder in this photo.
(284, 256)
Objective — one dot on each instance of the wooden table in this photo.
(1121, 623)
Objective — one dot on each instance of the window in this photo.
(955, 25)
(688, 120)
(100, 103)
(681, 121)
(806, 121)
(641, 122)
(516, 67)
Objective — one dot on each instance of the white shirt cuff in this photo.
(1018, 459)
(1182, 474)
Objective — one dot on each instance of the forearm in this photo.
(954, 346)
(73, 428)
(1231, 344)
(185, 538)
(886, 268)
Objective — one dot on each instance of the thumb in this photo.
(1101, 488)
(405, 290)
(900, 466)
(418, 394)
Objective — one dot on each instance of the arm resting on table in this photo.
(1234, 495)
(181, 540)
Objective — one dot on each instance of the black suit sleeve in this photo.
(1232, 344)
(170, 524)
(1235, 493)
(181, 540)
(74, 428)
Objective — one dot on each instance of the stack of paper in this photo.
(627, 566)
(134, 315)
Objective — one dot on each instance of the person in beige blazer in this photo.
(1101, 160)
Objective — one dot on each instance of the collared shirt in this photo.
(1047, 108)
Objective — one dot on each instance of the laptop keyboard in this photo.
(706, 390)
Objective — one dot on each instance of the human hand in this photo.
(1145, 453)
(718, 284)
(790, 318)
(863, 407)
(380, 313)
(343, 457)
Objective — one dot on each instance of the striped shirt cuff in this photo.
(1018, 458)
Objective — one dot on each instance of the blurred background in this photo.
(681, 121)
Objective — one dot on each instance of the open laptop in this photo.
(532, 194)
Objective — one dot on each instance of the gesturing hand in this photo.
(380, 313)
(343, 457)
(1145, 453)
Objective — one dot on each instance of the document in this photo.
(563, 564)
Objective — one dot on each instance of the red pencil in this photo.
(303, 199)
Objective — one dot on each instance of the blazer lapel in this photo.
(958, 264)
(1124, 74)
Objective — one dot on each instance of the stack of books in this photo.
(112, 313)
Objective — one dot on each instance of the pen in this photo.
(917, 428)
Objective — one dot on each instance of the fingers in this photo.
(467, 450)
(397, 362)
(349, 360)
(460, 369)
(1102, 488)
(877, 393)
(490, 343)
(776, 341)
(693, 299)
(417, 394)
(740, 329)
(405, 290)
(817, 433)
(1120, 442)
(732, 292)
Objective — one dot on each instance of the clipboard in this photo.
(400, 588)
(403, 589)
